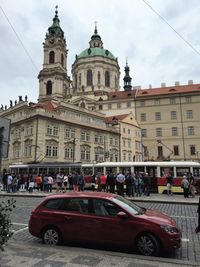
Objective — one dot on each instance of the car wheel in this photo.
(148, 245)
(51, 236)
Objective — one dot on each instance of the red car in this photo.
(103, 219)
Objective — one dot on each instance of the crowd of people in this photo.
(130, 184)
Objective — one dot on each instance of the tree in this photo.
(5, 223)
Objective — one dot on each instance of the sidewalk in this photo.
(160, 198)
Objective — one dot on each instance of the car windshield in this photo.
(128, 205)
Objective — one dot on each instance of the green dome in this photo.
(96, 51)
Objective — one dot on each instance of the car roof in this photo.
(82, 194)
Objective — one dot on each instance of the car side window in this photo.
(105, 208)
(53, 204)
(76, 204)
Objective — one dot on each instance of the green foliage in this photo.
(5, 223)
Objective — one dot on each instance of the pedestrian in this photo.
(31, 183)
(9, 183)
(22, 183)
(192, 188)
(14, 183)
(111, 182)
(59, 181)
(93, 183)
(65, 182)
(80, 182)
(138, 185)
(4, 180)
(50, 183)
(185, 186)
(75, 181)
(129, 184)
(120, 179)
(45, 183)
(38, 181)
(70, 181)
(103, 182)
(169, 184)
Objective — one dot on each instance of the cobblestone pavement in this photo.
(25, 250)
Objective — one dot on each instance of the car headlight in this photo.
(169, 229)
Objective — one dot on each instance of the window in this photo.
(51, 151)
(89, 78)
(29, 130)
(98, 139)
(52, 130)
(85, 136)
(27, 148)
(174, 131)
(17, 133)
(51, 57)
(128, 104)
(85, 153)
(124, 156)
(76, 204)
(189, 114)
(16, 150)
(69, 133)
(100, 107)
(157, 102)
(109, 106)
(143, 117)
(99, 77)
(157, 116)
(129, 131)
(62, 60)
(124, 142)
(188, 99)
(146, 151)
(190, 130)
(160, 152)
(79, 79)
(107, 79)
(99, 154)
(173, 115)
(144, 132)
(129, 143)
(118, 105)
(49, 88)
(142, 103)
(69, 151)
(192, 150)
(105, 208)
(158, 131)
(172, 100)
(176, 150)
(124, 130)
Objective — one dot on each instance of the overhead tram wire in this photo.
(19, 39)
(180, 36)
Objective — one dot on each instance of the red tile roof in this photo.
(110, 119)
(48, 105)
(179, 89)
(121, 95)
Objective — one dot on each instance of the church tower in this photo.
(127, 79)
(53, 80)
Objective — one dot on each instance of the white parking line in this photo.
(20, 230)
(184, 217)
(185, 239)
(23, 224)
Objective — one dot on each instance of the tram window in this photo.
(196, 172)
(166, 170)
(138, 169)
(111, 170)
(180, 171)
(87, 171)
(152, 171)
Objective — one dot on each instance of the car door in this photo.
(110, 228)
(78, 225)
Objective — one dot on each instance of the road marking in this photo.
(20, 230)
(23, 224)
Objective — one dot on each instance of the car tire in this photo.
(148, 245)
(51, 236)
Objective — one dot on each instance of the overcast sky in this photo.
(128, 28)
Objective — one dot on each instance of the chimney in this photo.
(177, 83)
(190, 82)
(163, 84)
(150, 86)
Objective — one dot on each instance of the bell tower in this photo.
(127, 78)
(53, 79)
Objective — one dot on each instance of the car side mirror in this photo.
(122, 215)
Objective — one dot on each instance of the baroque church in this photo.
(87, 118)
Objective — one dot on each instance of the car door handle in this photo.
(97, 221)
(68, 218)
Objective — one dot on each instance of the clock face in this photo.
(51, 41)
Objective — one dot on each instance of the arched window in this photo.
(82, 105)
(79, 79)
(51, 57)
(99, 77)
(107, 79)
(49, 88)
(75, 85)
(89, 78)
(62, 60)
